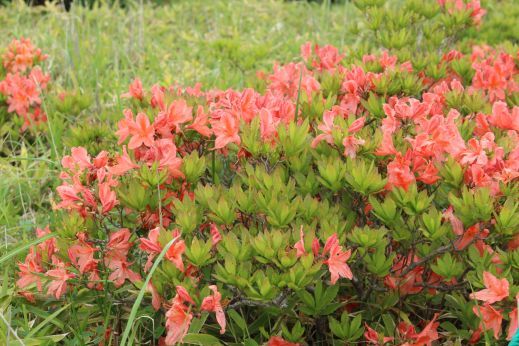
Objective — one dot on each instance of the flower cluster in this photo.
(342, 199)
(23, 81)
(473, 8)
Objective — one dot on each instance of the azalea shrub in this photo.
(22, 81)
(343, 199)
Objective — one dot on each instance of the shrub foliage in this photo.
(347, 198)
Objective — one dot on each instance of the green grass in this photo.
(217, 43)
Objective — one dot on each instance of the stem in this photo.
(213, 165)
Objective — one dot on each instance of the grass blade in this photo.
(47, 320)
(135, 307)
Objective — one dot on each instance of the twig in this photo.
(438, 251)
(279, 301)
(443, 287)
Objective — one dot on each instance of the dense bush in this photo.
(347, 198)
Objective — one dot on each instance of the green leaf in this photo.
(306, 298)
(201, 339)
(42, 340)
(236, 317)
(198, 323)
(250, 342)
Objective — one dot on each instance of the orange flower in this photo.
(386, 146)
(29, 271)
(183, 295)
(469, 235)
(372, 337)
(279, 341)
(337, 263)
(216, 237)
(268, 125)
(490, 318)
(124, 164)
(151, 244)
(177, 323)
(118, 245)
(82, 256)
(326, 127)
(175, 252)
(226, 131)
(166, 154)
(399, 173)
(411, 109)
(300, 245)
(156, 300)
(121, 272)
(126, 126)
(503, 118)
(213, 303)
(170, 120)
(142, 132)
(200, 123)
(496, 289)
(107, 197)
(351, 144)
(428, 334)
(21, 55)
(59, 276)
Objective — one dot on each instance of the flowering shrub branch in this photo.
(23, 81)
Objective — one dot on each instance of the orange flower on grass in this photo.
(200, 123)
(326, 128)
(135, 90)
(107, 197)
(174, 254)
(177, 323)
(29, 271)
(178, 317)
